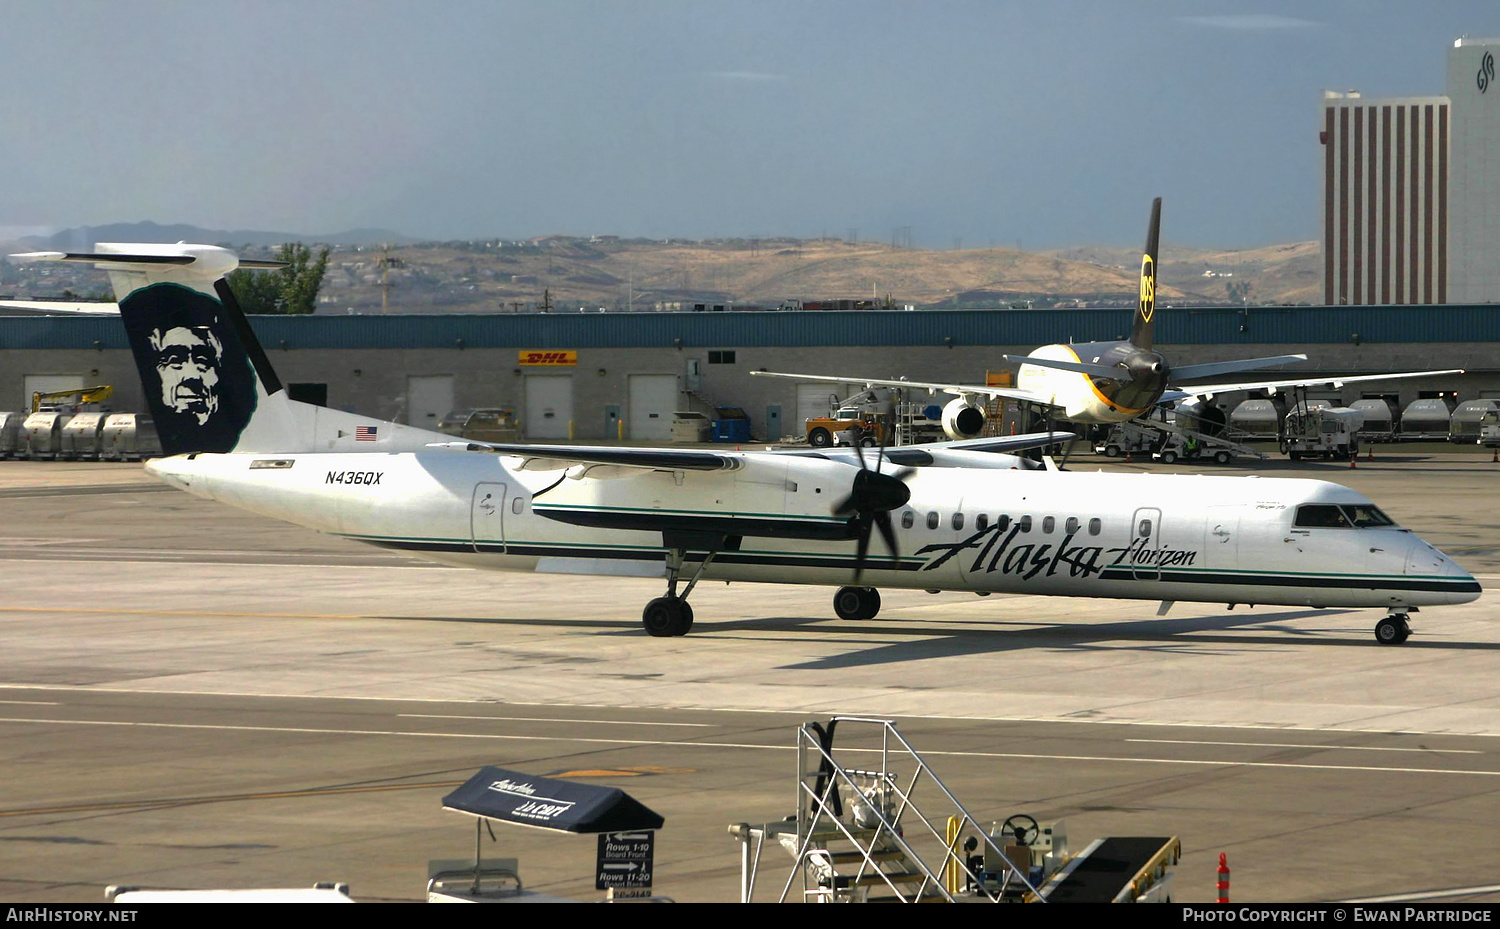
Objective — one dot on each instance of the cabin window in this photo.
(958, 520)
(517, 505)
(1071, 526)
(1095, 525)
(1144, 529)
(1003, 523)
(1365, 516)
(1321, 516)
(982, 521)
(1025, 523)
(1048, 524)
(932, 519)
(907, 518)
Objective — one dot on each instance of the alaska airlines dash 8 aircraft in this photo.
(967, 515)
(1103, 382)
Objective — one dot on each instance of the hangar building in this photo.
(601, 376)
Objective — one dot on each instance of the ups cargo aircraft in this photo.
(1103, 382)
(958, 516)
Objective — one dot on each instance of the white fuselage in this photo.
(1079, 398)
(1158, 537)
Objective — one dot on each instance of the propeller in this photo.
(871, 498)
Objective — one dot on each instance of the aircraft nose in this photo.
(1424, 560)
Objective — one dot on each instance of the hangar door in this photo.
(549, 406)
(428, 399)
(812, 402)
(47, 383)
(653, 399)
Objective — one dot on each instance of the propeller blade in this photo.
(862, 549)
(888, 533)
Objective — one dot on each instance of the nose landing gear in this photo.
(1394, 629)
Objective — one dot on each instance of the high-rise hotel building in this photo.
(1411, 190)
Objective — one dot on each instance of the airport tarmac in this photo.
(195, 697)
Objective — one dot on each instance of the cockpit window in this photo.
(1366, 516)
(1321, 516)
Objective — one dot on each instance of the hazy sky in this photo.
(977, 123)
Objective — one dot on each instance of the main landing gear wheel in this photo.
(667, 616)
(1393, 630)
(856, 602)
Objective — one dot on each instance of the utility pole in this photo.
(386, 263)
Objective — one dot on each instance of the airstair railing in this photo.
(882, 805)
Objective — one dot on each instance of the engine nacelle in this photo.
(962, 419)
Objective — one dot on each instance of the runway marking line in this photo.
(759, 747)
(1430, 895)
(1346, 748)
(222, 798)
(825, 711)
(49, 609)
(547, 719)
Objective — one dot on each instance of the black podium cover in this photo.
(548, 803)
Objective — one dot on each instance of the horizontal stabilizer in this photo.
(208, 260)
(1114, 372)
(107, 259)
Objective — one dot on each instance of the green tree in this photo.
(292, 289)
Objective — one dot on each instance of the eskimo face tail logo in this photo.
(198, 381)
(1486, 72)
(187, 361)
(1147, 306)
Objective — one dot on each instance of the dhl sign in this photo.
(568, 357)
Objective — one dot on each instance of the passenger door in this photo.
(487, 518)
(1221, 537)
(1145, 542)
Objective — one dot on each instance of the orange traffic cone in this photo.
(1223, 879)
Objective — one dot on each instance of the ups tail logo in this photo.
(1148, 288)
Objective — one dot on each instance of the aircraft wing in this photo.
(556, 457)
(960, 390)
(964, 452)
(1202, 390)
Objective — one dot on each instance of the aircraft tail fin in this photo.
(207, 382)
(1141, 332)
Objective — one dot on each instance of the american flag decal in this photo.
(364, 434)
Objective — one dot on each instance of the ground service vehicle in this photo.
(1327, 432)
(868, 427)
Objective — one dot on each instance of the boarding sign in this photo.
(625, 860)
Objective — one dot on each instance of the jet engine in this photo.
(962, 419)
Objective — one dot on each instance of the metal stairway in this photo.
(883, 847)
